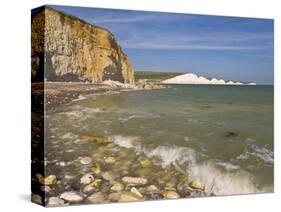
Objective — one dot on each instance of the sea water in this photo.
(222, 136)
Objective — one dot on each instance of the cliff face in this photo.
(75, 50)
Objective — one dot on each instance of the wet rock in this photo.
(128, 197)
(86, 179)
(140, 84)
(97, 198)
(92, 186)
(96, 139)
(152, 188)
(36, 199)
(114, 197)
(62, 163)
(51, 179)
(170, 184)
(170, 195)
(148, 87)
(46, 188)
(109, 160)
(56, 201)
(170, 189)
(96, 168)
(183, 178)
(230, 134)
(196, 185)
(71, 196)
(69, 177)
(117, 186)
(145, 163)
(136, 192)
(143, 172)
(134, 180)
(154, 195)
(108, 176)
(86, 160)
(183, 189)
(96, 183)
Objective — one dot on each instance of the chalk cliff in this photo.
(70, 49)
(191, 78)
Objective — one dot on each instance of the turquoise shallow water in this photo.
(221, 135)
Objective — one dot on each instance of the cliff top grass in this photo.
(155, 76)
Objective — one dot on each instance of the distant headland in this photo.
(191, 78)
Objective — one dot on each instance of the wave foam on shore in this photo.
(216, 181)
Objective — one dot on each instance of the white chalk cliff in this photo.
(191, 78)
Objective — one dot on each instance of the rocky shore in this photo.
(58, 93)
(108, 176)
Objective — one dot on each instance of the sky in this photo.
(230, 48)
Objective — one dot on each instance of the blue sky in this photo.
(212, 46)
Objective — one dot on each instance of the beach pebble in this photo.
(136, 192)
(196, 185)
(183, 178)
(183, 189)
(97, 198)
(134, 180)
(230, 134)
(85, 160)
(114, 197)
(152, 188)
(170, 194)
(71, 196)
(170, 184)
(51, 179)
(128, 197)
(69, 177)
(109, 160)
(36, 199)
(96, 169)
(86, 179)
(88, 188)
(117, 186)
(108, 176)
(96, 183)
(62, 163)
(145, 163)
(46, 188)
(96, 139)
(55, 201)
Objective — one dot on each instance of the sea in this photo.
(222, 136)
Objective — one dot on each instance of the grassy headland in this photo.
(154, 76)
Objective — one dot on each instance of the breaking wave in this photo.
(260, 153)
(186, 159)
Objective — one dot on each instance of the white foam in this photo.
(69, 136)
(127, 141)
(80, 97)
(261, 153)
(169, 155)
(127, 118)
(215, 180)
(228, 166)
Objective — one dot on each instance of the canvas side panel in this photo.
(37, 106)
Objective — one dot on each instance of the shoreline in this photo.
(106, 175)
(109, 172)
(61, 93)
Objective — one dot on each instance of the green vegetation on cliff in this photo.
(155, 76)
